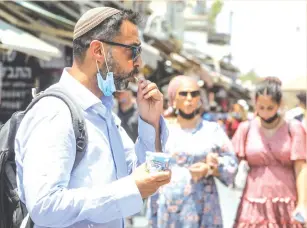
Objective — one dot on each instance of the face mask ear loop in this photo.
(105, 59)
(97, 66)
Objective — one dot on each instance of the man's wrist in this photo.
(157, 127)
(158, 138)
(156, 124)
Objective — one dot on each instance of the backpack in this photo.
(12, 209)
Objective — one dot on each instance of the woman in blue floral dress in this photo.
(200, 150)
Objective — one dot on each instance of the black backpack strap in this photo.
(30, 223)
(77, 117)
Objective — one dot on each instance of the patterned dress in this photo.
(270, 195)
(184, 203)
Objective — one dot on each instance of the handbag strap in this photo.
(245, 139)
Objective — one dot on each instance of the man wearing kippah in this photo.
(109, 183)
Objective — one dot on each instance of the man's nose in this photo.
(138, 62)
(189, 97)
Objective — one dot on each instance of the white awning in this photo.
(13, 38)
(178, 58)
(150, 56)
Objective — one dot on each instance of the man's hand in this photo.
(150, 102)
(198, 170)
(148, 183)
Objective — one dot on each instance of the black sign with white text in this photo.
(16, 72)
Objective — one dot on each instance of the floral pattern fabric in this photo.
(184, 203)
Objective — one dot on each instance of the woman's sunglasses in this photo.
(136, 50)
(195, 93)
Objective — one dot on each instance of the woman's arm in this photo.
(298, 155)
(226, 167)
(300, 167)
(222, 160)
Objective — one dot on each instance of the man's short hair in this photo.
(302, 97)
(106, 30)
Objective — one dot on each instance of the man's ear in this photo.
(96, 51)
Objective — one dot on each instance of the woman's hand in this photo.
(212, 160)
(199, 170)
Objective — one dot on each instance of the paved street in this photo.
(139, 222)
(229, 199)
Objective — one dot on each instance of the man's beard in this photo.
(121, 79)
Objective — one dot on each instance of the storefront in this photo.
(20, 70)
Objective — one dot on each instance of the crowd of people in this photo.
(271, 142)
(111, 182)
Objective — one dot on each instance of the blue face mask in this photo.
(106, 86)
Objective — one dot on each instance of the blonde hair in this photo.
(241, 111)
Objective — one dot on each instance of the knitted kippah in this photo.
(91, 19)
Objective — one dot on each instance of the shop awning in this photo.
(45, 13)
(12, 38)
(222, 80)
(179, 58)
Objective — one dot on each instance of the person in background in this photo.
(170, 112)
(127, 112)
(299, 112)
(212, 114)
(236, 116)
(276, 153)
(200, 151)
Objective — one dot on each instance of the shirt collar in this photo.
(85, 97)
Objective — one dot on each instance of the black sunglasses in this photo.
(195, 93)
(136, 50)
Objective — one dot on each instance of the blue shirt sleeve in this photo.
(228, 167)
(147, 137)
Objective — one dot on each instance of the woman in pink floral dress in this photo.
(275, 151)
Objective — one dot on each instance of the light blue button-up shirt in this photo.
(99, 192)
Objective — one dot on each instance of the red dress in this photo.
(270, 195)
(232, 126)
